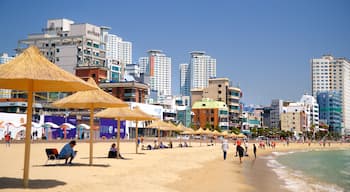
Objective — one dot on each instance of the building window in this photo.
(219, 85)
(57, 50)
(219, 92)
(57, 59)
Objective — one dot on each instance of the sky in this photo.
(264, 47)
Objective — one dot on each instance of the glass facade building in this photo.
(330, 107)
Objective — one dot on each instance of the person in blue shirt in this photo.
(67, 152)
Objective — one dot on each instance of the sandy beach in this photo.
(178, 169)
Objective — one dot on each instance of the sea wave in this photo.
(296, 181)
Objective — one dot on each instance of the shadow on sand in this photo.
(72, 165)
(106, 158)
(16, 183)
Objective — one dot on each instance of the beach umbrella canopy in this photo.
(160, 125)
(84, 126)
(181, 127)
(217, 133)
(125, 113)
(67, 126)
(224, 133)
(91, 99)
(241, 135)
(199, 131)
(50, 124)
(32, 72)
(233, 135)
(208, 132)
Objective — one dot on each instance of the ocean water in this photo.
(313, 170)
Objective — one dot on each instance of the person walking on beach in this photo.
(7, 139)
(224, 147)
(240, 152)
(246, 148)
(238, 143)
(254, 150)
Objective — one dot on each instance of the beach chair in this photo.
(52, 155)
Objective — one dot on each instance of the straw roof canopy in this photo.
(90, 99)
(224, 133)
(181, 127)
(124, 113)
(172, 127)
(217, 133)
(31, 67)
(161, 125)
(199, 131)
(208, 132)
(241, 135)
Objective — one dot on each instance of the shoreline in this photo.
(252, 174)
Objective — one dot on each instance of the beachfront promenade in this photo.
(178, 169)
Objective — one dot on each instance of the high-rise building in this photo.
(202, 68)
(4, 58)
(332, 74)
(158, 66)
(118, 54)
(275, 112)
(330, 110)
(78, 48)
(185, 80)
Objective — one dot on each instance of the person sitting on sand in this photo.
(170, 144)
(185, 144)
(155, 145)
(162, 146)
(113, 152)
(67, 152)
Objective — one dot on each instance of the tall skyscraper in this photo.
(185, 84)
(202, 68)
(118, 54)
(158, 66)
(332, 74)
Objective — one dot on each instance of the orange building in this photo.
(210, 114)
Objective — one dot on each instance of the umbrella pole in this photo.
(200, 140)
(91, 133)
(158, 136)
(118, 138)
(136, 136)
(28, 134)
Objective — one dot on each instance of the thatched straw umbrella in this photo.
(125, 113)
(160, 125)
(199, 132)
(32, 72)
(90, 100)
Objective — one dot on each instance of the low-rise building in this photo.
(210, 114)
